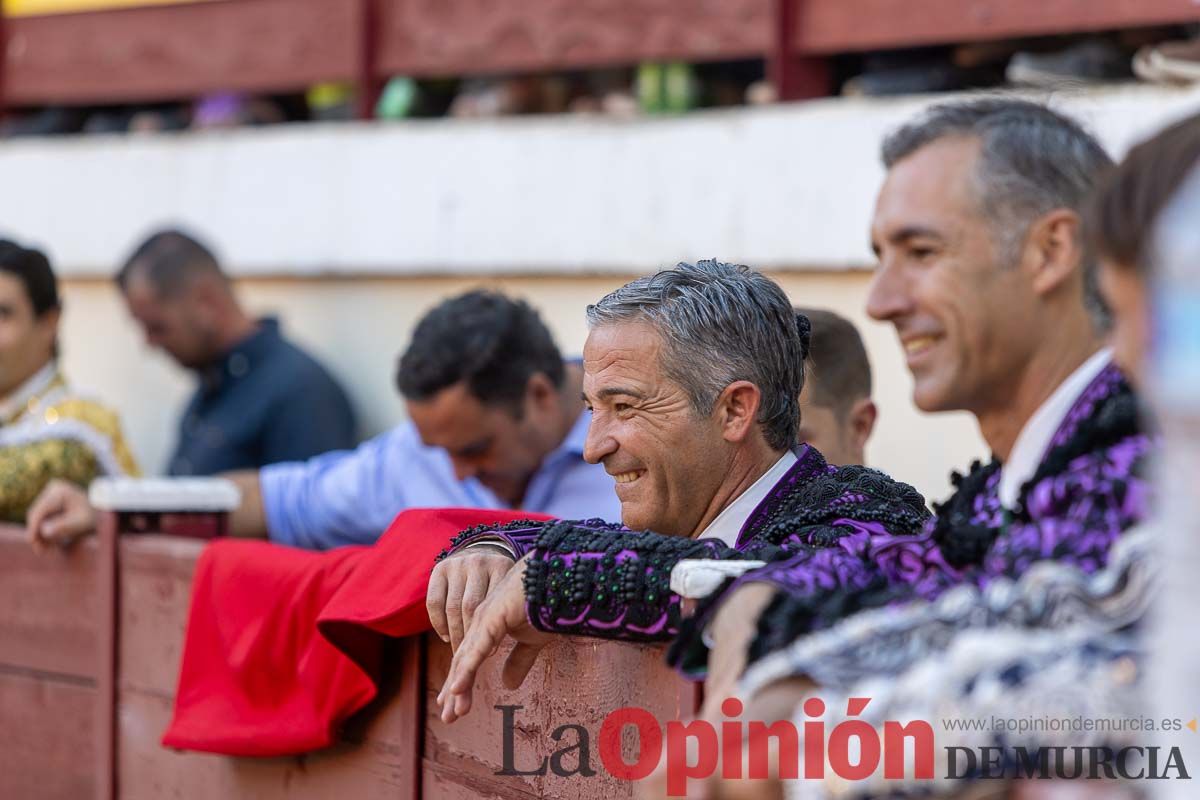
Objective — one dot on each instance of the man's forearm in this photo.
(248, 520)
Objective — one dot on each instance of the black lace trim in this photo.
(462, 537)
(852, 492)
(636, 591)
(960, 540)
(964, 543)
(809, 466)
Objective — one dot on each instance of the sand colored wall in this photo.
(357, 327)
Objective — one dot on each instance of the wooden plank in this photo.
(156, 586)
(831, 26)
(46, 601)
(464, 37)
(577, 681)
(381, 743)
(104, 729)
(374, 762)
(166, 52)
(45, 738)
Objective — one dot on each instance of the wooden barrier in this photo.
(57, 742)
(49, 654)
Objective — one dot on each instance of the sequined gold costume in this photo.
(54, 432)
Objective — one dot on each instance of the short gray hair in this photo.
(719, 323)
(1033, 160)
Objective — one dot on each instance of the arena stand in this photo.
(179, 49)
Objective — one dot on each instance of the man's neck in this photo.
(748, 466)
(19, 394)
(1052, 363)
(236, 329)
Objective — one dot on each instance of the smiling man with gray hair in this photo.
(692, 376)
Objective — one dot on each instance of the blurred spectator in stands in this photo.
(670, 88)
(331, 101)
(837, 414)
(47, 430)
(605, 91)
(495, 97)
(1171, 59)
(234, 110)
(497, 422)
(261, 399)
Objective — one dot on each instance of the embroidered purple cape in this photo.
(598, 579)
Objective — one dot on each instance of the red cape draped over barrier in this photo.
(284, 644)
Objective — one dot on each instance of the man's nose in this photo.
(599, 443)
(887, 297)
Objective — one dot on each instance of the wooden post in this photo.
(794, 76)
(368, 83)
(412, 702)
(106, 672)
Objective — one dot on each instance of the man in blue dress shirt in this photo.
(497, 421)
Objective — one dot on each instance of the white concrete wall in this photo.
(357, 327)
(773, 187)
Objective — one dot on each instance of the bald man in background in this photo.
(260, 399)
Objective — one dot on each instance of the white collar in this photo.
(729, 523)
(1030, 447)
(34, 385)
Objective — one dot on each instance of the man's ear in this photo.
(861, 422)
(540, 392)
(47, 325)
(737, 410)
(1054, 250)
(205, 298)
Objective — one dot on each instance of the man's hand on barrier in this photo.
(59, 515)
(500, 616)
(458, 585)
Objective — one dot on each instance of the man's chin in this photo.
(933, 398)
(633, 518)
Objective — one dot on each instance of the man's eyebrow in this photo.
(903, 235)
(610, 391)
(914, 232)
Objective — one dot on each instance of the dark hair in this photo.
(169, 259)
(838, 365)
(719, 323)
(493, 343)
(1130, 196)
(33, 269)
(1033, 160)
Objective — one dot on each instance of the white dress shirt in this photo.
(1032, 442)
(729, 522)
